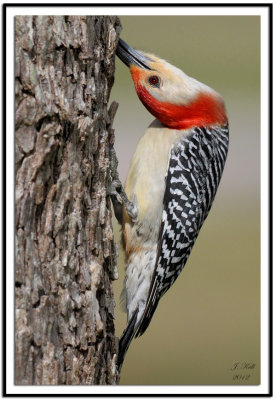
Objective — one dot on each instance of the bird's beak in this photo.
(129, 56)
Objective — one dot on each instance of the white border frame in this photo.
(263, 388)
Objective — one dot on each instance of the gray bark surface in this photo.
(65, 254)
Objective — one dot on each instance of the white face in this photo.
(174, 85)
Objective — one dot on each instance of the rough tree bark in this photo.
(65, 254)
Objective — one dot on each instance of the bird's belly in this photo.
(138, 278)
(148, 193)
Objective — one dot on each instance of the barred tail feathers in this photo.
(139, 272)
(126, 338)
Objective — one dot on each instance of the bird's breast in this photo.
(145, 184)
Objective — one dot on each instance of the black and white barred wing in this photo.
(194, 173)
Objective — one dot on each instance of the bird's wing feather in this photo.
(193, 176)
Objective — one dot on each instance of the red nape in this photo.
(205, 110)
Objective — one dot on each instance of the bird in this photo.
(171, 182)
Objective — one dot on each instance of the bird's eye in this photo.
(154, 81)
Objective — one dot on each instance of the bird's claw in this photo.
(132, 210)
(119, 198)
(118, 194)
(115, 188)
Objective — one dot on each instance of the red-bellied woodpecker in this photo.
(172, 181)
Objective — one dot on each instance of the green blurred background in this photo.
(210, 318)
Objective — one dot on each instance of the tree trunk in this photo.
(65, 254)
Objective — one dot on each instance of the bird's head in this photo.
(175, 99)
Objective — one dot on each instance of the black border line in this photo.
(219, 5)
(4, 208)
(214, 5)
(270, 171)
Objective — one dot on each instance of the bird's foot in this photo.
(132, 210)
(119, 198)
(117, 193)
